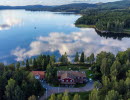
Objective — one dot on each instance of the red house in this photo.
(40, 75)
(71, 77)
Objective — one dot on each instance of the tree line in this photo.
(41, 62)
(116, 21)
(111, 75)
(18, 84)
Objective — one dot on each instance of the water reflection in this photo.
(25, 34)
(118, 36)
(8, 19)
(84, 40)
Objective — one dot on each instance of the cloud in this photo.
(83, 40)
(8, 19)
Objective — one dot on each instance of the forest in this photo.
(17, 83)
(116, 21)
(111, 75)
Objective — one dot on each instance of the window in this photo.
(71, 80)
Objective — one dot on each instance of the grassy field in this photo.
(73, 67)
(85, 26)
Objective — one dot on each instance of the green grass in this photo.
(72, 67)
(127, 31)
(88, 73)
(85, 26)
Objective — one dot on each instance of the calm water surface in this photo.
(25, 34)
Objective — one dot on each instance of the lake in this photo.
(25, 34)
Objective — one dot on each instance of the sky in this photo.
(48, 2)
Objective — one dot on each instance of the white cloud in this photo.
(8, 20)
(84, 40)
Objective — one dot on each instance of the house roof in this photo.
(66, 75)
(71, 74)
(40, 73)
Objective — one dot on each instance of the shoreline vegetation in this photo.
(104, 22)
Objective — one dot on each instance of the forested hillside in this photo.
(113, 21)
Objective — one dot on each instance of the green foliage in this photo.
(113, 95)
(115, 69)
(10, 95)
(76, 59)
(18, 84)
(76, 97)
(104, 20)
(91, 58)
(53, 97)
(105, 67)
(51, 74)
(94, 95)
(66, 96)
(64, 59)
(27, 65)
(82, 58)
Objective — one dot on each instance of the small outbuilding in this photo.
(40, 75)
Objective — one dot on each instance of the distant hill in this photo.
(75, 7)
(123, 4)
(24, 7)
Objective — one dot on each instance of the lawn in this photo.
(85, 26)
(73, 67)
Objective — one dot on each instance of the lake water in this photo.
(25, 34)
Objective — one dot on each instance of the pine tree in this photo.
(18, 93)
(9, 93)
(53, 97)
(105, 67)
(76, 97)
(91, 58)
(35, 66)
(82, 58)
(59, 97)
(76, 59)
(27, 65)
(94, 95)
(113, 95)
(115, 69)
(65, 96)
